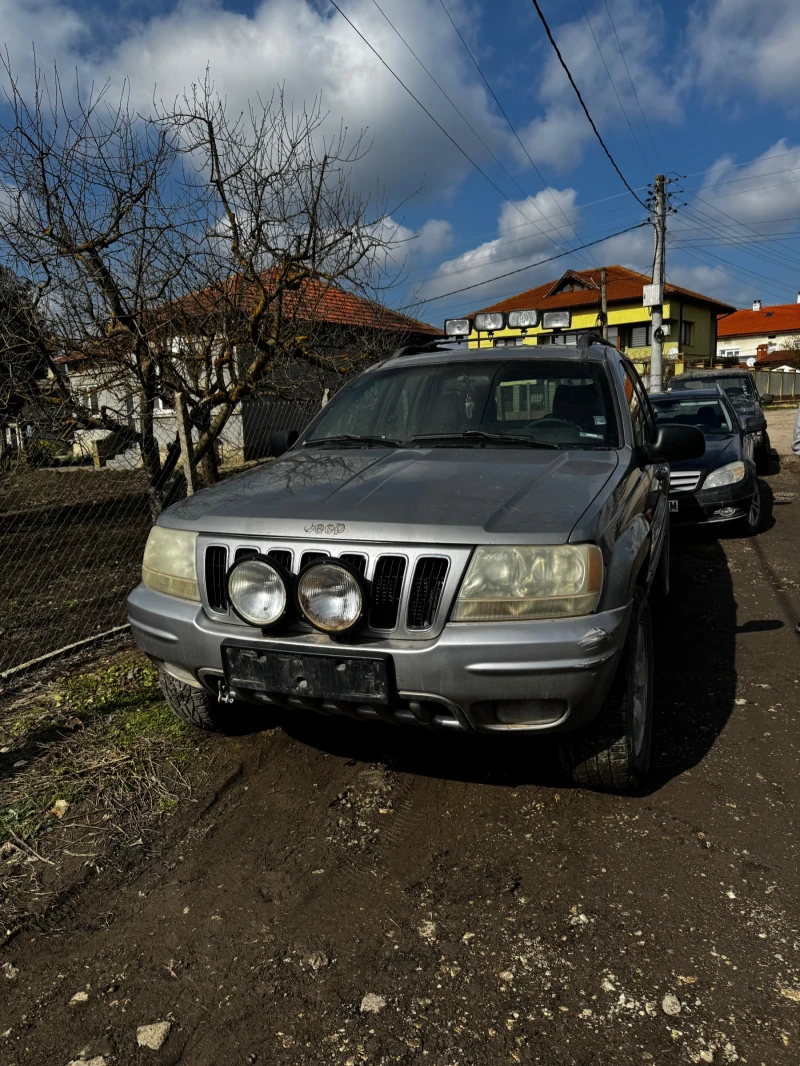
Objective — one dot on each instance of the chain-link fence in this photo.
(75, 513)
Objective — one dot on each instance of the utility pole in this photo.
(657, 294)
(603, 304)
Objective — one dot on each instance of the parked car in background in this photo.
(461, 540)
(740, 388)
(720, 486)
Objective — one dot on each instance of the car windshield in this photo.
(544, 402)
(709, 415)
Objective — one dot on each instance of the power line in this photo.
(463, 117)
(433, 119)
(647, 162)
(630, 79)
(583, 105)
(529, 266)
(510, 123)
(725, 231)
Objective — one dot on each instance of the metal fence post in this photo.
(185, 439)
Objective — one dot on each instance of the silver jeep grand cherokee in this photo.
(462, 539)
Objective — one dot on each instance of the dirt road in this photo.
(351, 894)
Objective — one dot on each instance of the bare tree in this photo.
(188, 252)
(292, 239)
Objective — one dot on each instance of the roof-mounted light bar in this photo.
(523, 319)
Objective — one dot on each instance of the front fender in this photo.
(629, 555)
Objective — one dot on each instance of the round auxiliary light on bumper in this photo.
(259, 590)
(331, 597)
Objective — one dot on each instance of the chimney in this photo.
(798, 297)
(757, 303)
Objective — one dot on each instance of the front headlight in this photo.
(169, 563)
(512, 583)
(726, 475)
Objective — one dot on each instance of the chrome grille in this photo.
(683, 480)
(411, 587)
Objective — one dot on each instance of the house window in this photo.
(613, 336)
(90, 398)
(686, 333)
(640, 336)
(729, 353)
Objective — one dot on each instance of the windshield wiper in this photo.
(356, 438)
(477, 435)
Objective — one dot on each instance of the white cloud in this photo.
(738, 46)
(559, 136)
(309, 49)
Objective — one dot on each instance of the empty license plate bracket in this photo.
(309, 675)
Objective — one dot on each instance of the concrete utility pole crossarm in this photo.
(657, 308)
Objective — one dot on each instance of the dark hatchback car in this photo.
(721, 486)
(740, 389)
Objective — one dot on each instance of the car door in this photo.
(648, 501)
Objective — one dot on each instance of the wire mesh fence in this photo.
(75, 511)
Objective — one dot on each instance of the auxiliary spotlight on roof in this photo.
(490, 321)
(556, 320)
(523, 319)
(457, 327)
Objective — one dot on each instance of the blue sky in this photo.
(718, 82)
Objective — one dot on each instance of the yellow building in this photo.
(690, 319)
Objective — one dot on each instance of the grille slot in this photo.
(282, 557)
(387, 586)
(683, 480)
(216, 568)
(358, 562)
(245, 553)
(312, 557)
(426, 592)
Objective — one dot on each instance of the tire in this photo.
(613, 752)
(750, 526)
(194, 706)
(763, 456)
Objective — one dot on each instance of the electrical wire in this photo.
(433, 119)
(466, 121)
(567, 71)
(510, 124)
(647, 162)
(519, 270)
(633, 87)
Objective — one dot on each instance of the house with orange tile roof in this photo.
(690, 318)
(758, 332)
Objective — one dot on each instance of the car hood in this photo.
(719, 451)
(440, 495)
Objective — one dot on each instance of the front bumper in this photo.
(731, 503)
(542, 676)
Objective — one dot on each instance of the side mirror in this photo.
(754, 424)
(767, 397)
(282, 441)
(674, 443)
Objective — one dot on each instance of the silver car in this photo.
(461, 540)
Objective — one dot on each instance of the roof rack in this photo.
(443, 344)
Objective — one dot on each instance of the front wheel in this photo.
(195, 706)
(750, 526)
(613, 752)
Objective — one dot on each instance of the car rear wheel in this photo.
(195, 706)
(613, 752)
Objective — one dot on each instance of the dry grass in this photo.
(89, 763)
